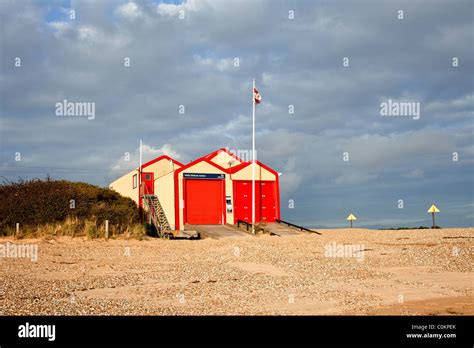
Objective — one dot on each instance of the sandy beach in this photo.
(342, 272)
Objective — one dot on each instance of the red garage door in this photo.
(204, 202)
(265, 201)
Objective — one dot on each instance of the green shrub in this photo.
(37, 202)
(90, 229)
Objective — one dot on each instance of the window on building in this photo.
(135, 181)
(147, 177)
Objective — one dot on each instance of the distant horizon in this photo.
(389, 228)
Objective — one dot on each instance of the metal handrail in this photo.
(144, 192)
(301, 228)
(249, 225)
(152, 210)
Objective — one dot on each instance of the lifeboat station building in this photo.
(211, 190)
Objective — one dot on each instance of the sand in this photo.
(414, 272)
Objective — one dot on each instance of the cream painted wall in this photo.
(164, 185)
(229, 191)
(164, 188)
(260, 173)
(161, 168)
(124, 186)
(223, 158)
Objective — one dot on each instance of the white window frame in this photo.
(135, 181)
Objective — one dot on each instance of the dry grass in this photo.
(136, 231)
(73, 227)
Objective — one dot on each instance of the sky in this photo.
(333, 63)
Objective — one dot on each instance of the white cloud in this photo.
(168, 9)
(289, 182)
(168, 150)
(130, 11)
(60, 27)
(89, 34)
(223, 64)
(461, 107)
(149, 152)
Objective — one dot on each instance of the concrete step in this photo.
(282, 230)
(217, 231)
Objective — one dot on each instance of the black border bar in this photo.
(260, 330)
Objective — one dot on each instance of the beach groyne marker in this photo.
(106, 229)
(433, 210)
(351, 217)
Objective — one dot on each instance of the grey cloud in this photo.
(188, 62)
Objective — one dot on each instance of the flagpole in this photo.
(253, 157)
(140, 182)
(140, 170)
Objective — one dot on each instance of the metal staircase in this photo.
(157, 214)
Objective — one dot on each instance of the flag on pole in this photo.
(256, 96)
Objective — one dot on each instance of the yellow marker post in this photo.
(433, 209)
(351, 217)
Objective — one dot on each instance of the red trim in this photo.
(140, 199)
(234, 194)
(185, 218)
(138, 188)
(224, 208)
(176, 201)
(159, 159)
(201, 159)
(278, 196)
(238, 167)
(267, 167)
(216, 165)
(245, 164)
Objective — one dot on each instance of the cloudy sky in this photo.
(336, 152)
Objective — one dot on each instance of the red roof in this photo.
(159, 159)
(208, 158)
